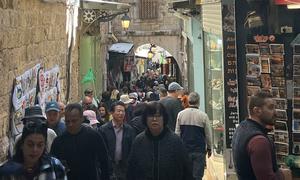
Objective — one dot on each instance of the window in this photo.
(148, 9)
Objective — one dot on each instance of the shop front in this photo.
(268, 60)
(251, 46)
(121, 68)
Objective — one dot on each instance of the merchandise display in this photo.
(296, 102)
(266, 71)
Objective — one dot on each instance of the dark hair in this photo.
(106, 117)
(88, 91)
(117, 103)
(106, 95)
(93, 108)
(155, 107)
(76, 106)
(258, 100)
(31, 127)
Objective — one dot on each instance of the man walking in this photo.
(81, 149)
(120, 137)
(53, 118)
(253, 152)
(193, 127)
(172, 104)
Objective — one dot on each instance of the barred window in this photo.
(148, 9)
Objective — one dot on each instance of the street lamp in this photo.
(125, 21)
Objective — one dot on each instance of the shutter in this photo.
(212, 18)
(148, 9)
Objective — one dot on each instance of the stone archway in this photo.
(171, 43)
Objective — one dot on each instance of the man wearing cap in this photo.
(53, 118)
(120, 137)
(35, 114)
(172, 103)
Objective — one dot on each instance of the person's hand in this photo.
(208, 153)
(287, 173)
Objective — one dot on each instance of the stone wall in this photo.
(31, 32)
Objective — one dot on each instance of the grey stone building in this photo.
(152, 22)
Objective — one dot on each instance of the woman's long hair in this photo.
(107, 115)
(33, 126)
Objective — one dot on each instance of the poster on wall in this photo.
(29, 87)
(48, 86)
(24, 95)
(128, 63)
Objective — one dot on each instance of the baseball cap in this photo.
(174, 86)
(52, 106)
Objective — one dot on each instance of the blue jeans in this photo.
(198, 163)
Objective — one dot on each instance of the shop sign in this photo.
(263, 39)
(230, 81)
(230, 72)
(285, 2)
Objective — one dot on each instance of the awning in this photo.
(104, 5)
(183, 4)
(122, 48)
(185, 7)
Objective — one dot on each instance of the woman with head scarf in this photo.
(157, 153)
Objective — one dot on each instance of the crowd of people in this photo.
(153, 130)
(127, 135)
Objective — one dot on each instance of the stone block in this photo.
(3, 148)
(49, 32)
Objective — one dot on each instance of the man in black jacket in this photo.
(119, 137)
(81, 149)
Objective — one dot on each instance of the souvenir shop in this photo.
(252, 45)
(269, 59)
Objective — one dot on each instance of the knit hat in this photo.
(174, 86)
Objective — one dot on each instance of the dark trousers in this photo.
(119, 171)
(198, 163)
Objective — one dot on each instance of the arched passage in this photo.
(171, 43)
(153, 57)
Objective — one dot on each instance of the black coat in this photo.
(137, 124)
(128, 137)
(83, 153)
(158, 158)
